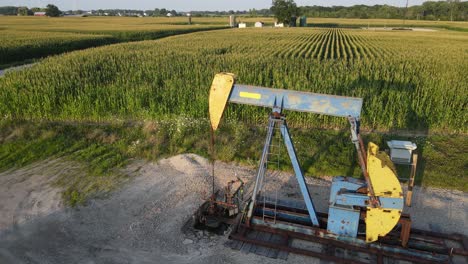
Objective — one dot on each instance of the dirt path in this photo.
(15, 68)
(399, 28)
(145, 221)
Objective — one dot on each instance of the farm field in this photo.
(19, 46)
(148, 99)
(349, 22)
(115, 24)
(415, 86)
(26, 38)
(41, 36)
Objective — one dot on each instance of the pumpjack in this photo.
(361, 212)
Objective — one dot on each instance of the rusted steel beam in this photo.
(432, 240)
(394, 239)
(294, 250)
(405, 231)
(409, 194)
(465, 242)
(431, 234)
(422, 241)
(459, 252)
(367, 249)
(380, 259)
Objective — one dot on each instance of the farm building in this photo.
(259, 24)
(39, 13)
(279, 24)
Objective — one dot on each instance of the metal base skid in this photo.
(292, 232)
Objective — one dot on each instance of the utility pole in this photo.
(452, 4)
(406, 13)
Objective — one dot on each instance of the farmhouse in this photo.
(39, 13)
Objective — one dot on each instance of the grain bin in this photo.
(189, 16)
(293, 22)
(259, 24)
(303, 21)
(232, 21)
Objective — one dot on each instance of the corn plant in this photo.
(408, 80)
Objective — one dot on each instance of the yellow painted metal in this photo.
(250, 95)
(219, 95)
(382, 174)
(380, 222)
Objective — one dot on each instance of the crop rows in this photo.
(16, 46)
(333, 44)
(24, 38)
(419, 85)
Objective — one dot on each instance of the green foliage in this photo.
(103, 150)
(8, 10)
(23, 11)
(413, 86)
(444, 162)
(418, 86)
(74, 198)
(429, 10)
(284, 10)
(17, 46)
(38, 9)
(52, 11)
(25, 38)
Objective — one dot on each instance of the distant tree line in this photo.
(51, 10)
(430, 10)
(455, 10)
(130, 12)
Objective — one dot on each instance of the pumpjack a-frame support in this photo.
(277, 119)
(224, 89)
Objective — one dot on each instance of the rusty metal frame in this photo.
(421, 246)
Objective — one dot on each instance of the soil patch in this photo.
(146, 220)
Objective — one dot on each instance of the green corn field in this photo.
(25, 38)
(17, 46)
(409, 80)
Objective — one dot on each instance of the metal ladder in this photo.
(273, 158)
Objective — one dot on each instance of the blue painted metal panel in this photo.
(299, 175)
(391, 203)
(346, 183)
(352, 199)
(343, 221)
(334, 105)
(361, 199)
(348, 198)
